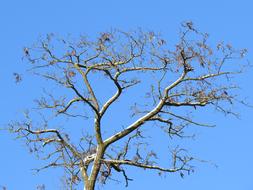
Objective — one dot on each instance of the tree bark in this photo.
(90, 185)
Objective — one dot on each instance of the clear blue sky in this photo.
(229, 145)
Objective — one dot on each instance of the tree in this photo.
(176, 81)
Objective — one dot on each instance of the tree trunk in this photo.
(90, 185)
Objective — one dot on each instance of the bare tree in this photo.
(176, 81)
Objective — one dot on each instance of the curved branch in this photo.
(69, 104)
(45, 131)
(146, 117)
(114, 97)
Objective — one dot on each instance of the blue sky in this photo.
(229, 145)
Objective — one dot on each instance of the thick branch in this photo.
(146, 117)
